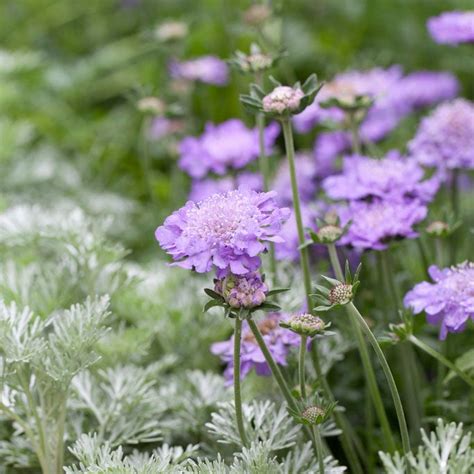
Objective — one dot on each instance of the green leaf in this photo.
(276, 291)
(213, 294)
(464, 362)
(210, 304)
(267, 306)
(331, 280)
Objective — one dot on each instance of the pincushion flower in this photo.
(203, 188)
(229, 145)
(452, 27)
(278, 340)
(207, 69)
(282, 99)
(242, 291)
(374, 225)
(226, 231)
(449, 301)
(445, 139)
(394, 178)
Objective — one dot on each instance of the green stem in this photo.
(455, 192)
(145, 161)
(354, 129)
(440, 358)
(304, 257)
(365, 358)
(319, 448)
(389, 376)
(237, 394)
(301, 367)
(424, 258)
(60, 437)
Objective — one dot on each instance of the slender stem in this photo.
(60, 436)
(365, 358)
(301, 367)
(424, 258)
(304, 257)
(440, 358)
(439, 252)
(145, 161)
(237, 394)
(319, 448)
(455, 192)
(354, 129)
(389, 376)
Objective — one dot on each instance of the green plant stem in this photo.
(145, 161)
(60, 436)
(354, 129)
(455, 192)
(365, 358)
(237, 393)
(304, 257)
(440, 358)
(301, 367)
(424, 258)
(319, 448)
(389, 376)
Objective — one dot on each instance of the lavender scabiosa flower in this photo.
(227, 231)
(203, 188)
(445, 139)
(229, 145)
(282, 99)
(452, 27)
(373, 225)
(278, 340)
(328, 145)
(449, 301)
(393, 178)
(242, 291)
(207, 69)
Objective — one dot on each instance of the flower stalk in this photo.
(237, 392)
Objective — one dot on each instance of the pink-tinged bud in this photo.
(341, 294)
(282, 99)
(242, 291)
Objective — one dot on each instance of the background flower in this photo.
(208, 69)
(452, 27)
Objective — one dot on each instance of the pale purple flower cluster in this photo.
(242, 291)
(393, 178)
(203, 188)
(229, 145)
(207, 69)
(282, 99)
(445, 139)
(452, 27)
(278, 340)
(375, 224)
(227, 231)
(449, 301)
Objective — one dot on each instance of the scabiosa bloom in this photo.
(229, 145)
(305, 175)
(203, 188)
(278, 340)
(207, 69)
(445, 139)
(328, 145)
(392, 178)
(452, 27)
(227, 231)
(282, 99)
(449, 301)
(375, 224)
(242, 291)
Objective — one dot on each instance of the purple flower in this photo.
(330, 144)
(229, 145)
(227, 231)
(449, 301)
(375, 224)
(242, 291)
(393, 178)
(162, 126)
(279, 342)
(207, 69)
(445, 139)
(452, 27)
(203, 188)
(305, 175)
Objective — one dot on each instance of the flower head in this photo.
(445, 139)
(283, 99)
(305, 324)
(256, 61)
(229, 145)
(278, 340)
(207, 69)
(452, 27)
(449, 301)
(340, 294)
(393, 178)
(313, 414)
(242, 291)
(227, 231)
(171, 30)
(374, 225)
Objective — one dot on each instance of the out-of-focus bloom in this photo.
(393, 178)
(242, 291)
(278, 340)
(425, 88)
(288, 248)
(282, 99)
(449, 301)
(452, 27)
(445, 139)
(207, 69)
(227, 231)
(162, 126)
(256, 61)
(203, 188)
(305, 175)
(327, 146)
(257, 14)
(171, 30)
(151, 105)
(374, 225)
(229, 145)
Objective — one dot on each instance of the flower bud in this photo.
(171, 30)
(437, 228)
(341, 294)
(151, 105)
(257, 14)
(283, 99)
(313, 415)
(329, 234)
(305, 324)
(242, 291)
